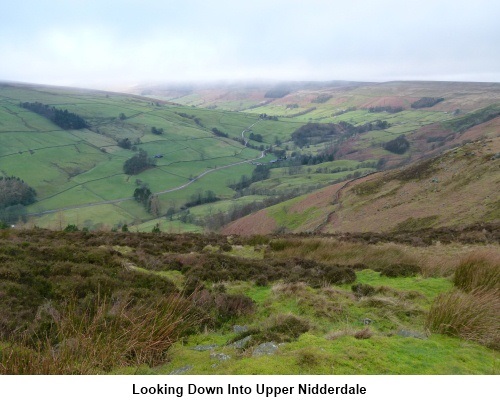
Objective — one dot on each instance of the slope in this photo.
(458, 187)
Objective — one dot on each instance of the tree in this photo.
(399, 145)
(170, 213)
(125, 143)
(138, 163)
(154, 206)
(142, 194)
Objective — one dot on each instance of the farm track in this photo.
(337, 201)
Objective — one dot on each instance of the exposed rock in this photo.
(242, 343)
(220, 356)
(182, 370)
(265, 349)
(240, 329)
(204, 348)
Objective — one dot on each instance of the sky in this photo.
(113, 43)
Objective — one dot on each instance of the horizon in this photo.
(128, 89)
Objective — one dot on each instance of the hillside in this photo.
(458, 187)
(104, 160)
(78, 174)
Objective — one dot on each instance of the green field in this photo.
(72, 168)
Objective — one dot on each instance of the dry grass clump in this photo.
(299, 289)
(472, 316)
(365, 333)
(99, 337)
(279, 328)
(362, 290)
(478, 270)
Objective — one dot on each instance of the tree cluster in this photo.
(150, 201)
(157, 131)
(15, 194)
(61, 118)
(125, 143)
(322, 98)
(315, 159)
(477, 117)
(138, 163)
(15, 191)
(255, 137)
(201, 198)
(386, 108)
(336, 114)
(218, 132)
(312, 133)
(261, 172)
(399, 145)
(268, 117)
(426, 102)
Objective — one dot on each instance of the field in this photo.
(81, 171)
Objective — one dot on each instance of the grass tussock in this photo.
(279, 328)
(100, 337)
(365, 333)
(478, 270)
(472, 316)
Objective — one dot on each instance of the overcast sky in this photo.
(110, 43)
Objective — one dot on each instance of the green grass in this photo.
(69, 168)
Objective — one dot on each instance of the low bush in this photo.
(362, 290)
(478, 270)
(363, 334)
(280, 328)
(472, 316)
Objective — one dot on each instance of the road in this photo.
(171, 190)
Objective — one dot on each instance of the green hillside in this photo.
(71, 169)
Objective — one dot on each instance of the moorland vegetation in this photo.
(79, 302)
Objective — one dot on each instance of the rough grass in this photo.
(100, 337)
(472, 316)
(478, 270)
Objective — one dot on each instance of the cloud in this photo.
(98, 43)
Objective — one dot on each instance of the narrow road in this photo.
(171, 190)
(246, 130)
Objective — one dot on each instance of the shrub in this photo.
(362, 290)
(231, 306)
(478, 271)
(400, 270)
(363, 334)
(472, 316)
(291, 326)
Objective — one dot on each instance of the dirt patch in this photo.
(320, 199)
(257, 223)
